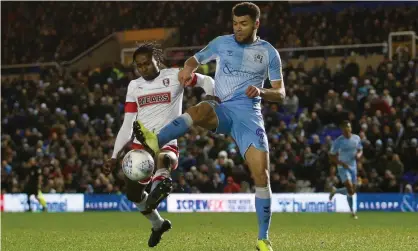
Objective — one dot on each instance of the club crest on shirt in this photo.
(258, 58)
(166, 82)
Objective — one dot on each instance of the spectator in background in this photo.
(396, 167)
(69, 119)
(245, 187)
(181, 186)
(224, 164)
(46, 41)
(231, 186)
(352, 69)
(386, 97)
(389, 184)
(314, 124)
(291, 102)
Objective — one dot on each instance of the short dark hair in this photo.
(152, 48)
(345, 123)
(246, 8)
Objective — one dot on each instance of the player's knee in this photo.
(351, 191)
(261, 177)
(193, 111)
(166, 160)
(201, 113)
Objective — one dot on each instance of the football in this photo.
(138, 165)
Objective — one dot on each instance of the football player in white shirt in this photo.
(156, 98)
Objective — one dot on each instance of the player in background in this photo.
(244, 62)
(156, 98)
(33, 187)
(345, 152)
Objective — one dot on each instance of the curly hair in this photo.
(152, 48)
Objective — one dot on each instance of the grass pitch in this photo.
(208, 231)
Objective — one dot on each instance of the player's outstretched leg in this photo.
(258, 162)
(148, 139)
(202, 114)
(334, 191)
(153, 142)
(161, 182)
(136, 193)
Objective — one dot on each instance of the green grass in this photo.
(209, 231)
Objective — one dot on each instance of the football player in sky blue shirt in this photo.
(345, 152)
(243, 63)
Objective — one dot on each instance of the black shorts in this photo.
(135, 190)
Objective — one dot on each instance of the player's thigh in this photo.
(258, 163)
(343, 174)
(203, 115)
(135, 190)
(248, 130)
(250, 136)
(346, 178)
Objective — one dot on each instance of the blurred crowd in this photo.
(59, 31)
(66, 123)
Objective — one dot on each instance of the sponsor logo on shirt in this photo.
(156, 98)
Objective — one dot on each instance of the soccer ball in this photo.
(138, 165)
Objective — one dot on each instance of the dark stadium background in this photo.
(63, 93)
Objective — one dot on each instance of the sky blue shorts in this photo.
(347, 174)
(244, 123)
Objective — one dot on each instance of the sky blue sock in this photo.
(175, 129)
(350, 202)
(342, 191)
(263, 209)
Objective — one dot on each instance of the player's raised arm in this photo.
(277, 93)
(204, 56)
(205, 82)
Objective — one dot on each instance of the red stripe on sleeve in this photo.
(194, 80)
(130, 107)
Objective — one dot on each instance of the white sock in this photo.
(154, 217)
(263, 192)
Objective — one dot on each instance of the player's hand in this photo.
(109, 166)
(252, 91)
(185, 77)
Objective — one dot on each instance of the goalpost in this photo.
(406, 39)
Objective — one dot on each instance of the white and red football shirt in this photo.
(157, 102)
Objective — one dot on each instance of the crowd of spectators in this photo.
(66, 123)
(58, 31)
